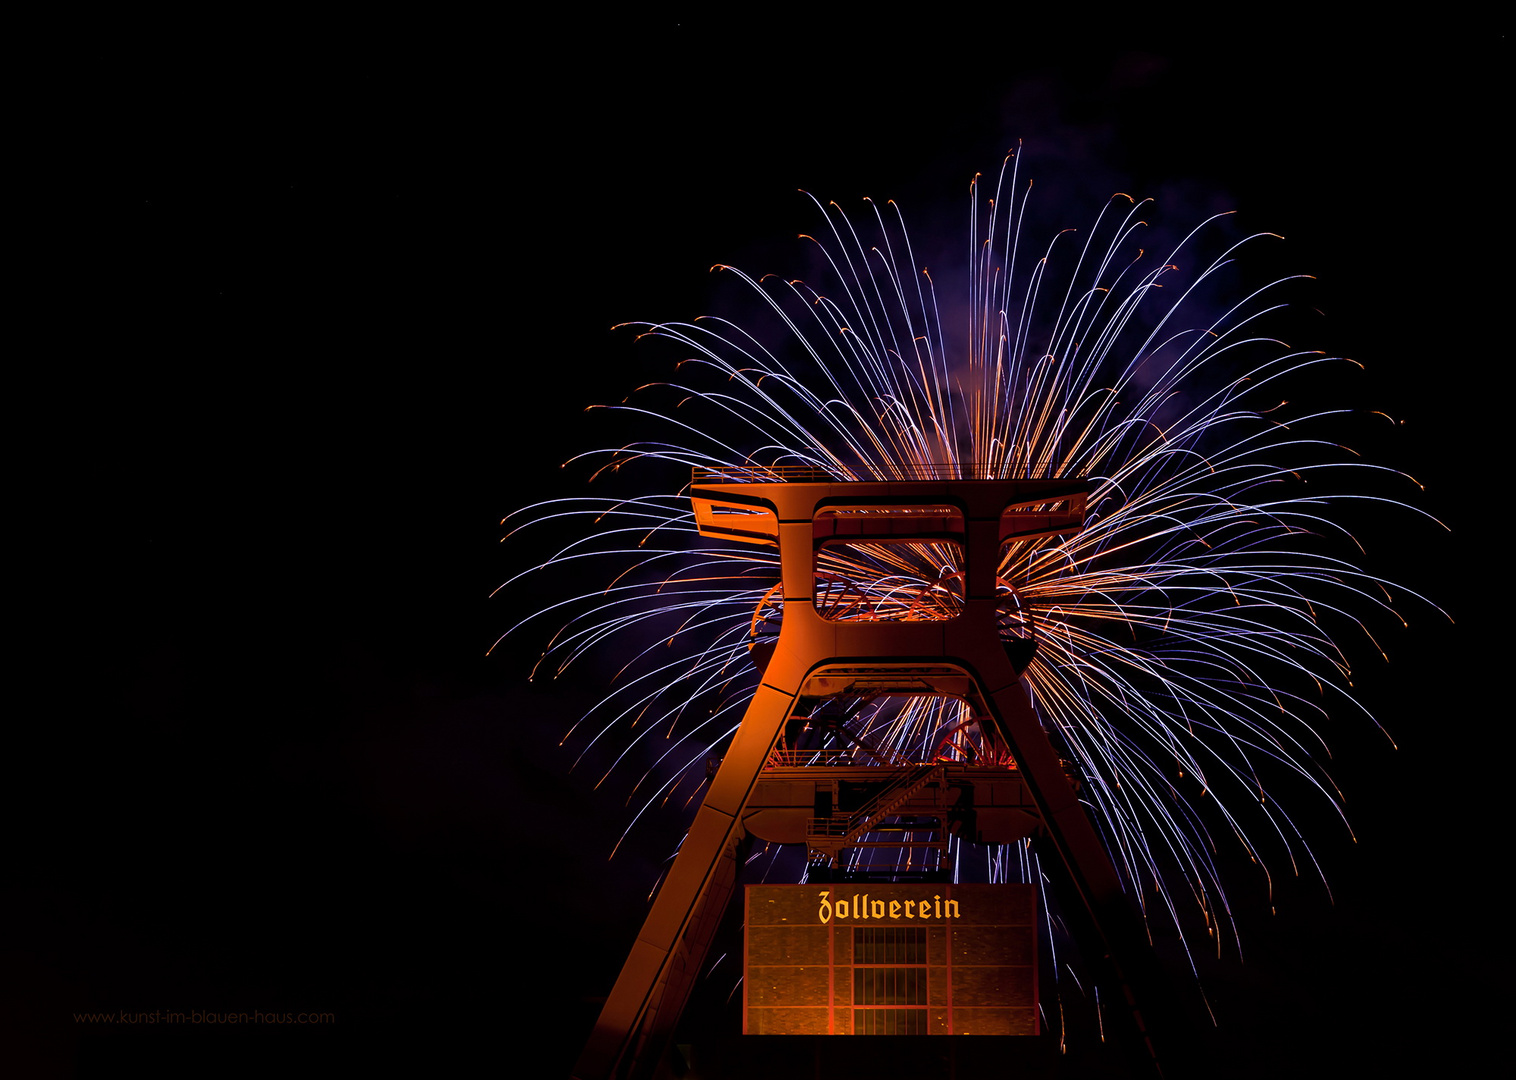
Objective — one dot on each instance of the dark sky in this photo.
(337, 300)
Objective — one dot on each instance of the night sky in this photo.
(335, 301)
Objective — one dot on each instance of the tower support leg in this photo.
(1107, 917)
(638, 1019)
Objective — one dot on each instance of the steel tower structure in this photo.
(978, 654)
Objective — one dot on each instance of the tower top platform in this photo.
(899, 504)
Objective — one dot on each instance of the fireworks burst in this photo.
(1188, 658)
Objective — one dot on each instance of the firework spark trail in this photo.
(1187, 644)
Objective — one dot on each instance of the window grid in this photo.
(889, 981)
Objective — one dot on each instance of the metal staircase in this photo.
(827, 836)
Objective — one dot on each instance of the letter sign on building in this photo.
(883, 959)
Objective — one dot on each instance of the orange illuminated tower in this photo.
(974, 650)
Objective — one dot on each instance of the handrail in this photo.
(834, 757)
